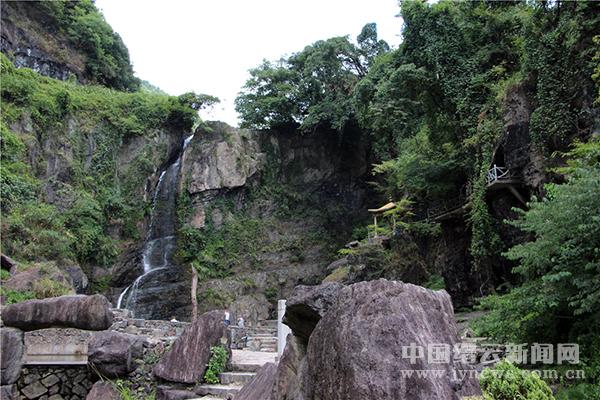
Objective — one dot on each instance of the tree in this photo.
(560, 268)
(312, 88)
(197, 101)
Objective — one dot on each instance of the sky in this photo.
(209, 46)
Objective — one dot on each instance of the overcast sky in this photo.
(209, 46)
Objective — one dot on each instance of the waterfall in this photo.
(160, 244)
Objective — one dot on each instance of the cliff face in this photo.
(27, 41)
(263, 212)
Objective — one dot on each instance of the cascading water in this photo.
(160, 244)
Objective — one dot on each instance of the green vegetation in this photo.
(311, 88)
(558, 299)
(507, 382)
(15, 296)
(91, 191)
(583, 391)
(437, 107)
(216, 364)
(84, 27)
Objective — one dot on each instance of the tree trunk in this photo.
(194, 290)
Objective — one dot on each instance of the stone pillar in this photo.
(282, 330)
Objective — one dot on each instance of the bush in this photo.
(216, 364)
(507, 382)
(583, 391)
(15, 296)
(36, 231)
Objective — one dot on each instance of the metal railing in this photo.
(497, 174)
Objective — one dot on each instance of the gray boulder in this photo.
(356, 350)
(12, 354)
(261, 386)
(307, 305)
(103, 391)
(78, 311)
(113, 354)
(78, 278)
(187, 359)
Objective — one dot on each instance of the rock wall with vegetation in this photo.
(262, 211)
(79, 164)
(66, 40)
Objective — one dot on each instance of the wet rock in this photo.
(103, 391)
(261, 386)
(127, 268)
(308, 305)
(79, 311)
(113, 354)
(12, 354)
(187, 359)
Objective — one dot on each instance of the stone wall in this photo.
(55, 382)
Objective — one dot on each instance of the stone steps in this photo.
(263, 342)
(236, 377)
(218, 390)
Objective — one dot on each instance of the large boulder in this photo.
(113, 354)
(362, 345)
(103, 391)
(78, 311)
(187, 359)
(12, 354)
(308, 305)
(261, 386)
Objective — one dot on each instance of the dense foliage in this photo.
(436, 108)
(216, 364)
(107, 58)
(559, 299)
(507, 382)
(94, 190)
(310, 88)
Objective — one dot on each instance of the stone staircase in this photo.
(260, 348)
(263, 337)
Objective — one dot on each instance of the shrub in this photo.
(15, 296)
(216, 364)
(507, 382)
(583, 391)
(47, 287)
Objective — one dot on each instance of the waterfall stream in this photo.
(160, 244)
